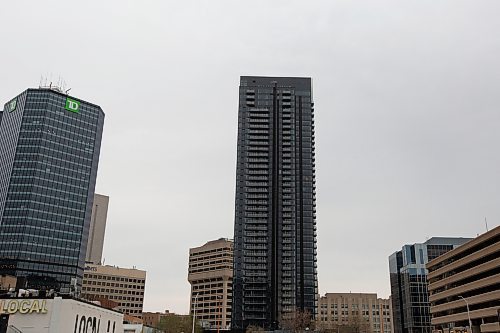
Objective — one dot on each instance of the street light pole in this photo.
(468, 312)
(194, 310)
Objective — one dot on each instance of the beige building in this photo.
(363, 313)
(467, 277)
(153, 319)
(211, 278)
(122, 285)
(97, 228)
(7, 282)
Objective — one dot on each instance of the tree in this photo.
(254, 329)
(355, 324)
(178, 323)
(297, 321)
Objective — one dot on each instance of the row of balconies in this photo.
(258, 235)
(256, 166)
(255, 178)
(256, 254)
(257, 241)
(256, 208)
(256, 202)
(255, 274)
(250, 143)
(257, 227)
(258, 126)
(255, 260)
(258, 137)
(257, 148)
(256, 184)
(256, 172)
(257, 115)
(256, 190)
(258, 120)
(252, 196)
(258, 154)
(254, 247)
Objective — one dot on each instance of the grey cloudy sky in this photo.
(406, 97)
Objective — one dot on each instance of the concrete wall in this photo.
(97, 229)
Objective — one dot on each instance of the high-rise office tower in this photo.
(275, 220)
(211, 277)
(409, 287)
(97, 229)
(49, 152)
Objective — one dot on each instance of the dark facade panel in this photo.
(49, 152)
(275, 214)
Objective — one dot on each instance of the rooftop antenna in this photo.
(486, 222)
(58, 85)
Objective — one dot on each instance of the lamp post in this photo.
(468, 312)
(194, 310)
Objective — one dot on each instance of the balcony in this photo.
(257, 120)
(491, 327)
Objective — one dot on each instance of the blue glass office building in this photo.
(49, 153)
(409, 286)
(275, 220)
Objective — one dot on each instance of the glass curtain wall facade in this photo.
(409, 287)
(49, 153)
(275, 214)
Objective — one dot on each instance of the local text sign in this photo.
(23, 306)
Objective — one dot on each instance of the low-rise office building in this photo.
(153, 319)
(464, 286)
(360, 312)
(123, 285)
(7, 282)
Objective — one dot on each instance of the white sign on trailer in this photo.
(63, 316)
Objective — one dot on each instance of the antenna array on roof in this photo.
(47, 83)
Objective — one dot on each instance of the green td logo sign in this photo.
(72, 105)
(12, 105)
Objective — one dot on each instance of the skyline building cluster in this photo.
(52, 228)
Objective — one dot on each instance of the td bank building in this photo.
(275, 212)
(49, 153)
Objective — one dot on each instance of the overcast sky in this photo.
(406, 93)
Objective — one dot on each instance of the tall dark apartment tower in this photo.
(275, 220)
(49, 152)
